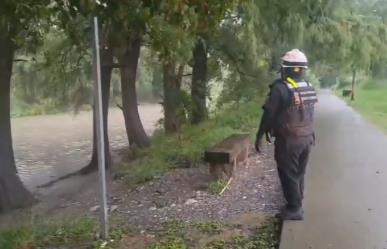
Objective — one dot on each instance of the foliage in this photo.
(265, 237)
(368, 101)
(82, 233)
(174, 30)
(44, 107)
(180, 235)
(209, 227)
(174, 243)
(24, 21)
(217, 186)
(185, 149)
(74, 233)
(244, 42)
(219, 244)
(56, 78)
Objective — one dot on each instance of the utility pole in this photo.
(353, 84)
(104, 222)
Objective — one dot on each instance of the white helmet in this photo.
(294, 58)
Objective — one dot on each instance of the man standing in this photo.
(288, 116)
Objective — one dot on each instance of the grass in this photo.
(265, 237)
(186, 148)
(370, 101)
(217, 186)
(178, 235)
(174, 243)
(211, 228)
(80, 234)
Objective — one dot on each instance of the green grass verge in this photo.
(216, 235)
(80, 234)
(265, 237)
(370, 101)
(186, 148)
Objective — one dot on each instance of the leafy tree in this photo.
(172, 41)
(56, 75)
(210, 15)
(74, 19)
(121, 38)
(179, 28)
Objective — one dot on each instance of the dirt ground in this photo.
(181, 194)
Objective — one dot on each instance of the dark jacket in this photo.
(283, 115)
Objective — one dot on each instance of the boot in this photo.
(292, 214)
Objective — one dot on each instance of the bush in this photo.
(373, 85)
(185, 149)
(344, 83)
(44, 107)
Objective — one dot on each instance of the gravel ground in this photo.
(183, 194)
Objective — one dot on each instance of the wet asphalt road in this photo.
(346, 190)
(48, 147)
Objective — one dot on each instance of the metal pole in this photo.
(100, 131)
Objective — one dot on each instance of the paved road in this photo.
(48, 147)
(346, 195)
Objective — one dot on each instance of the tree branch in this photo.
(236, 64)
(21, 60)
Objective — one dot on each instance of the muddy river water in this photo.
(51, 146)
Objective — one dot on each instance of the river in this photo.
(48, 147)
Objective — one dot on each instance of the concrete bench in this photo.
(347, 93)
(225, 156)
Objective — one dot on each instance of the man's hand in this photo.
(268, 138)
(258, 144)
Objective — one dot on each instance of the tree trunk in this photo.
(199, 83)
(353, 84)
(173, 108)
(134, 128)
(13, 194)
(106, 74)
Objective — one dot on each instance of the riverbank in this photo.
(166, 184)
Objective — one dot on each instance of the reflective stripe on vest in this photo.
(303, 91)
(299, 85)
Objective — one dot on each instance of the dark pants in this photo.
(292, 155)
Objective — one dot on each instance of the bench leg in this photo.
(217, 171)
(246, 156)
(228, 169)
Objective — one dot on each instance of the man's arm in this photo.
(271, 108)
